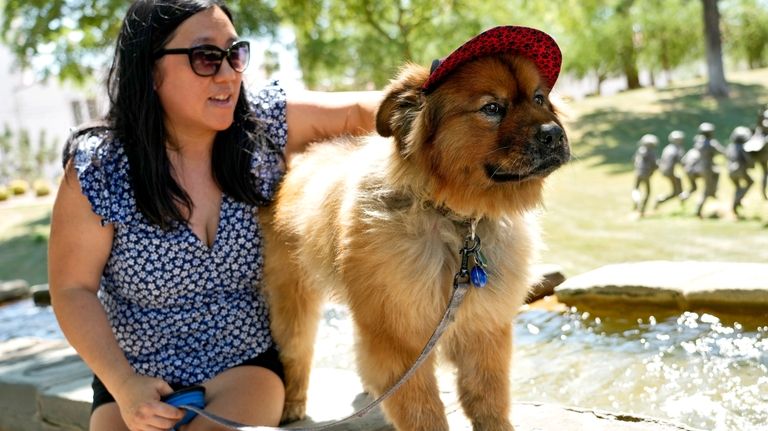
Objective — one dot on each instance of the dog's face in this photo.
(486, 137)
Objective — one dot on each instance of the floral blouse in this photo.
(180, 310)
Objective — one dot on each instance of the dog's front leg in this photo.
(383, 358)
(294, 314)
(482, 357)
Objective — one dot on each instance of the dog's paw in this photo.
(294, 411)
(492, 426)
(498, 427)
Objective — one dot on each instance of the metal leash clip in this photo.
(477, 275)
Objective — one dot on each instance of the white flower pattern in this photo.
(182, 311)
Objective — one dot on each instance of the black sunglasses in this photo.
(206, 60)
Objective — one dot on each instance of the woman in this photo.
(154, 246)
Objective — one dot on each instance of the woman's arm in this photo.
(314, 116)
(78, 250)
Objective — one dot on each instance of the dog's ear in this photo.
(402, 102)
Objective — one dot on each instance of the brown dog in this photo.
(378, 222)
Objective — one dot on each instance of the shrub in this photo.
(4, 193)
(42, 188)
(18, 187)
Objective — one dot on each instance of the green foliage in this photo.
(5, 153)
(590, 28)
(41, 155)
(359, 43)
(605, 38)
(354, 44)
(74, 38)
(74, 34)
(24, 157)
(746, 32)
(19, 159)
(362, 43)
(668, 39)
(254, 18)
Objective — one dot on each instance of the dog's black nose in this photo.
(549, 133)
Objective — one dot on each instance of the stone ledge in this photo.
(44, 386)
(722, 286)
(526, 416)
(14, 289)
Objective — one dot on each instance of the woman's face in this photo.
(193, 105)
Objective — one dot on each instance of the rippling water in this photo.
(693, 368)
(23, 319)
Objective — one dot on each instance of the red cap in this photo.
(533, 44)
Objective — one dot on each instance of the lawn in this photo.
(24, 226)
(587, 218)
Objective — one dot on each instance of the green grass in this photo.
(587, 220)
(24, 240)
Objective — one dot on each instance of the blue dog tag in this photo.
(478, 277)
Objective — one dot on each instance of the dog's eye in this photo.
(538, 99)
(493, 109)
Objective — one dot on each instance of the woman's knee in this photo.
(107, 417)
(249, 394)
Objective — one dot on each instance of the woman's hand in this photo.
(139, 401)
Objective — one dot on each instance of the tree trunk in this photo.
(600, 79)
(717, 86)
(633, 76)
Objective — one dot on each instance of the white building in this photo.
(35, 106)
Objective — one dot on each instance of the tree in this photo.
(746, 32)
(625, 29)
(361, 43)
(590, 43)
(77, 36)
(717, 86)
(5, 153)
(46, 152)
(668, 40)
(26, 165)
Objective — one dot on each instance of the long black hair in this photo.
(135, 116)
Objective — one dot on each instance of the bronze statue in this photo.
(645, 165)
(671, 156)
(757, 148)
(698, 163)
(739, 161)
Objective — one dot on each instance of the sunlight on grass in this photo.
(24, 233)
(588, 221)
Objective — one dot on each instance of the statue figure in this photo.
(757, 148)
(698, 163)
(739, 161)
(645, 165)
(671, 156)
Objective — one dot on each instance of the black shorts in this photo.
(270, 360)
